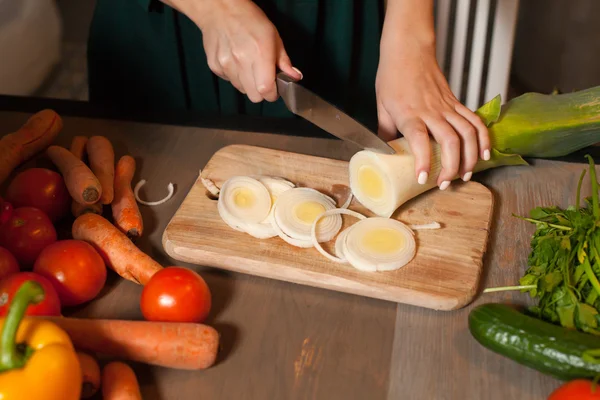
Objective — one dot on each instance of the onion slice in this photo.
(313, 233)
(141, 183)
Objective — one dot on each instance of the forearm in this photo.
(409, 21)
(200, 10)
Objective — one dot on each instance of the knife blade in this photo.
(311, 107)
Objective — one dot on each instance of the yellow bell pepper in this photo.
(37, 359)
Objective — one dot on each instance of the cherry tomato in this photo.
(8, 263)
(40, 188)
(26, 234)
(578, 389)
(176, 294)
(50, 306)
(75, 268)
(5, 211)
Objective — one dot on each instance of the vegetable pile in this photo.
(43, 276)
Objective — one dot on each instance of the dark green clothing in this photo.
(144, 55)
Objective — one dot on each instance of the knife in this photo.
(311, 107)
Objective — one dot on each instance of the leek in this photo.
(532, 125)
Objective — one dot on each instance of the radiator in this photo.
(474, 44)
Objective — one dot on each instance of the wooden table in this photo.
(287, 341)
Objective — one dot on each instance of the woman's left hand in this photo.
(413, 97)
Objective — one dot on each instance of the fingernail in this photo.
(467, 177)
(422, 178)
(486, 155)
(444, 185)
(298, 71)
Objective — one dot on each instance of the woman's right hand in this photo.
(242, 46)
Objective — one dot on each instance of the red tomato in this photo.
(75, 268)
(176, 294)
(8, 263)
(40, 188)
(26, 234)
(50, 306)
(578, 389)
(5, 211)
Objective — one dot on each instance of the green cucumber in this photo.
(548, 348)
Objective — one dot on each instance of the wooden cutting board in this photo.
(444, 274)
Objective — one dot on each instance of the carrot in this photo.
(119, 382)
(126, 212)
(102, 162)
(90, 371)
(81, 182)
(78, 209)
(188, 346)
(78, 149)
(78, 146)
(34, 136)
(119, 253)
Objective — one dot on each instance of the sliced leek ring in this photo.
(313, 234)
(263, 230)
(288, 239)
(295, 211)
(244, 204)
(379, 244)
(341, 238)
(246, 198)
(275, 186)
(348, 201)
(339, 244)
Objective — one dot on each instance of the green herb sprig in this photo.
(564, 262)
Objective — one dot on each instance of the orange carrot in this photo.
(102, 162)
(81, 182)
(34, 136)
(78, 146)
(176, 345)
(90, 371)
(78, 209)
(126, 212)
(78, 149)
(119, 253)
(119, 382)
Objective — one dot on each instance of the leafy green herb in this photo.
(564, 263)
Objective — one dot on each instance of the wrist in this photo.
(409, 24)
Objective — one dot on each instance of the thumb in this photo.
(285, 64)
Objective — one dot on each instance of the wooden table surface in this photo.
(287, 341)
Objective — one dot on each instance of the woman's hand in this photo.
(241, 45)
(413, 97)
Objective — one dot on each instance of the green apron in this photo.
(143, 55)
